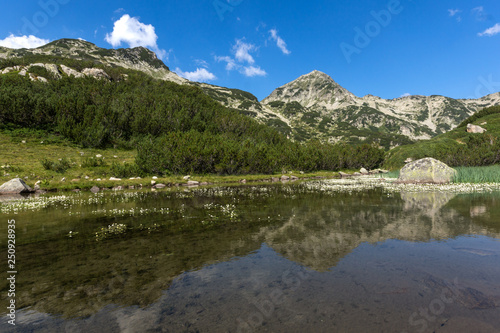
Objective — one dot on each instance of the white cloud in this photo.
(23, 42)
(231, 63)
(252, 71)
(200, 75)
(479, 11)
(453, 12)
(494, 30)
(131, 31)
(202, 63)
(279, 41)
(242, 51)
(243, 61)
(406, 95)
(481, 14)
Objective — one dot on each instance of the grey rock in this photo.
(94, 189)
(294, 178)
(96, 73)
(274, 179)
(343, 174)
(193, 183)
(160, 186)
(15, 186)
(70, 71)
(356, 174)
(363, 171)
(475, 129)
(426, 170)
(285, 177)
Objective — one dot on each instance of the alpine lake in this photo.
(313, 256)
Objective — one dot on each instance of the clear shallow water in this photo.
(283, 258)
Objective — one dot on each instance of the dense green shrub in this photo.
(126, 170)
(195, 152)
(59, 166)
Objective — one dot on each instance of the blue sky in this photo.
(386, 48)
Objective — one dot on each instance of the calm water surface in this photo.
(275, 258)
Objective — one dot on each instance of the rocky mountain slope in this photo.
(138, 58)
(316, 106)
(312, 106)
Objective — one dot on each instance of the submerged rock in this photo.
(15, 186)
(426, 170)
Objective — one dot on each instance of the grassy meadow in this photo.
(22, 154)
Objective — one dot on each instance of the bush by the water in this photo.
(60, 166)
(195, 152)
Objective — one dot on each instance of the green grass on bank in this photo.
(487, 174)
(22, 154)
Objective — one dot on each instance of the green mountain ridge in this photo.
(313, 106)
(175, 128)
(457, 147)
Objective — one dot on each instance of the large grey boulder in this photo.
(15, 186)
(475, 129)
(426, 170)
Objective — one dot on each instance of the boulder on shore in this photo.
(426, 170)
(15, 186)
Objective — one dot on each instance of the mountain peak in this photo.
(309, 89)
(68, 43)
(318, 73)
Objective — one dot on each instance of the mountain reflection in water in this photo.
(288, 260)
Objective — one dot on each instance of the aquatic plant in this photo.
(109, 231)
(487, 174)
